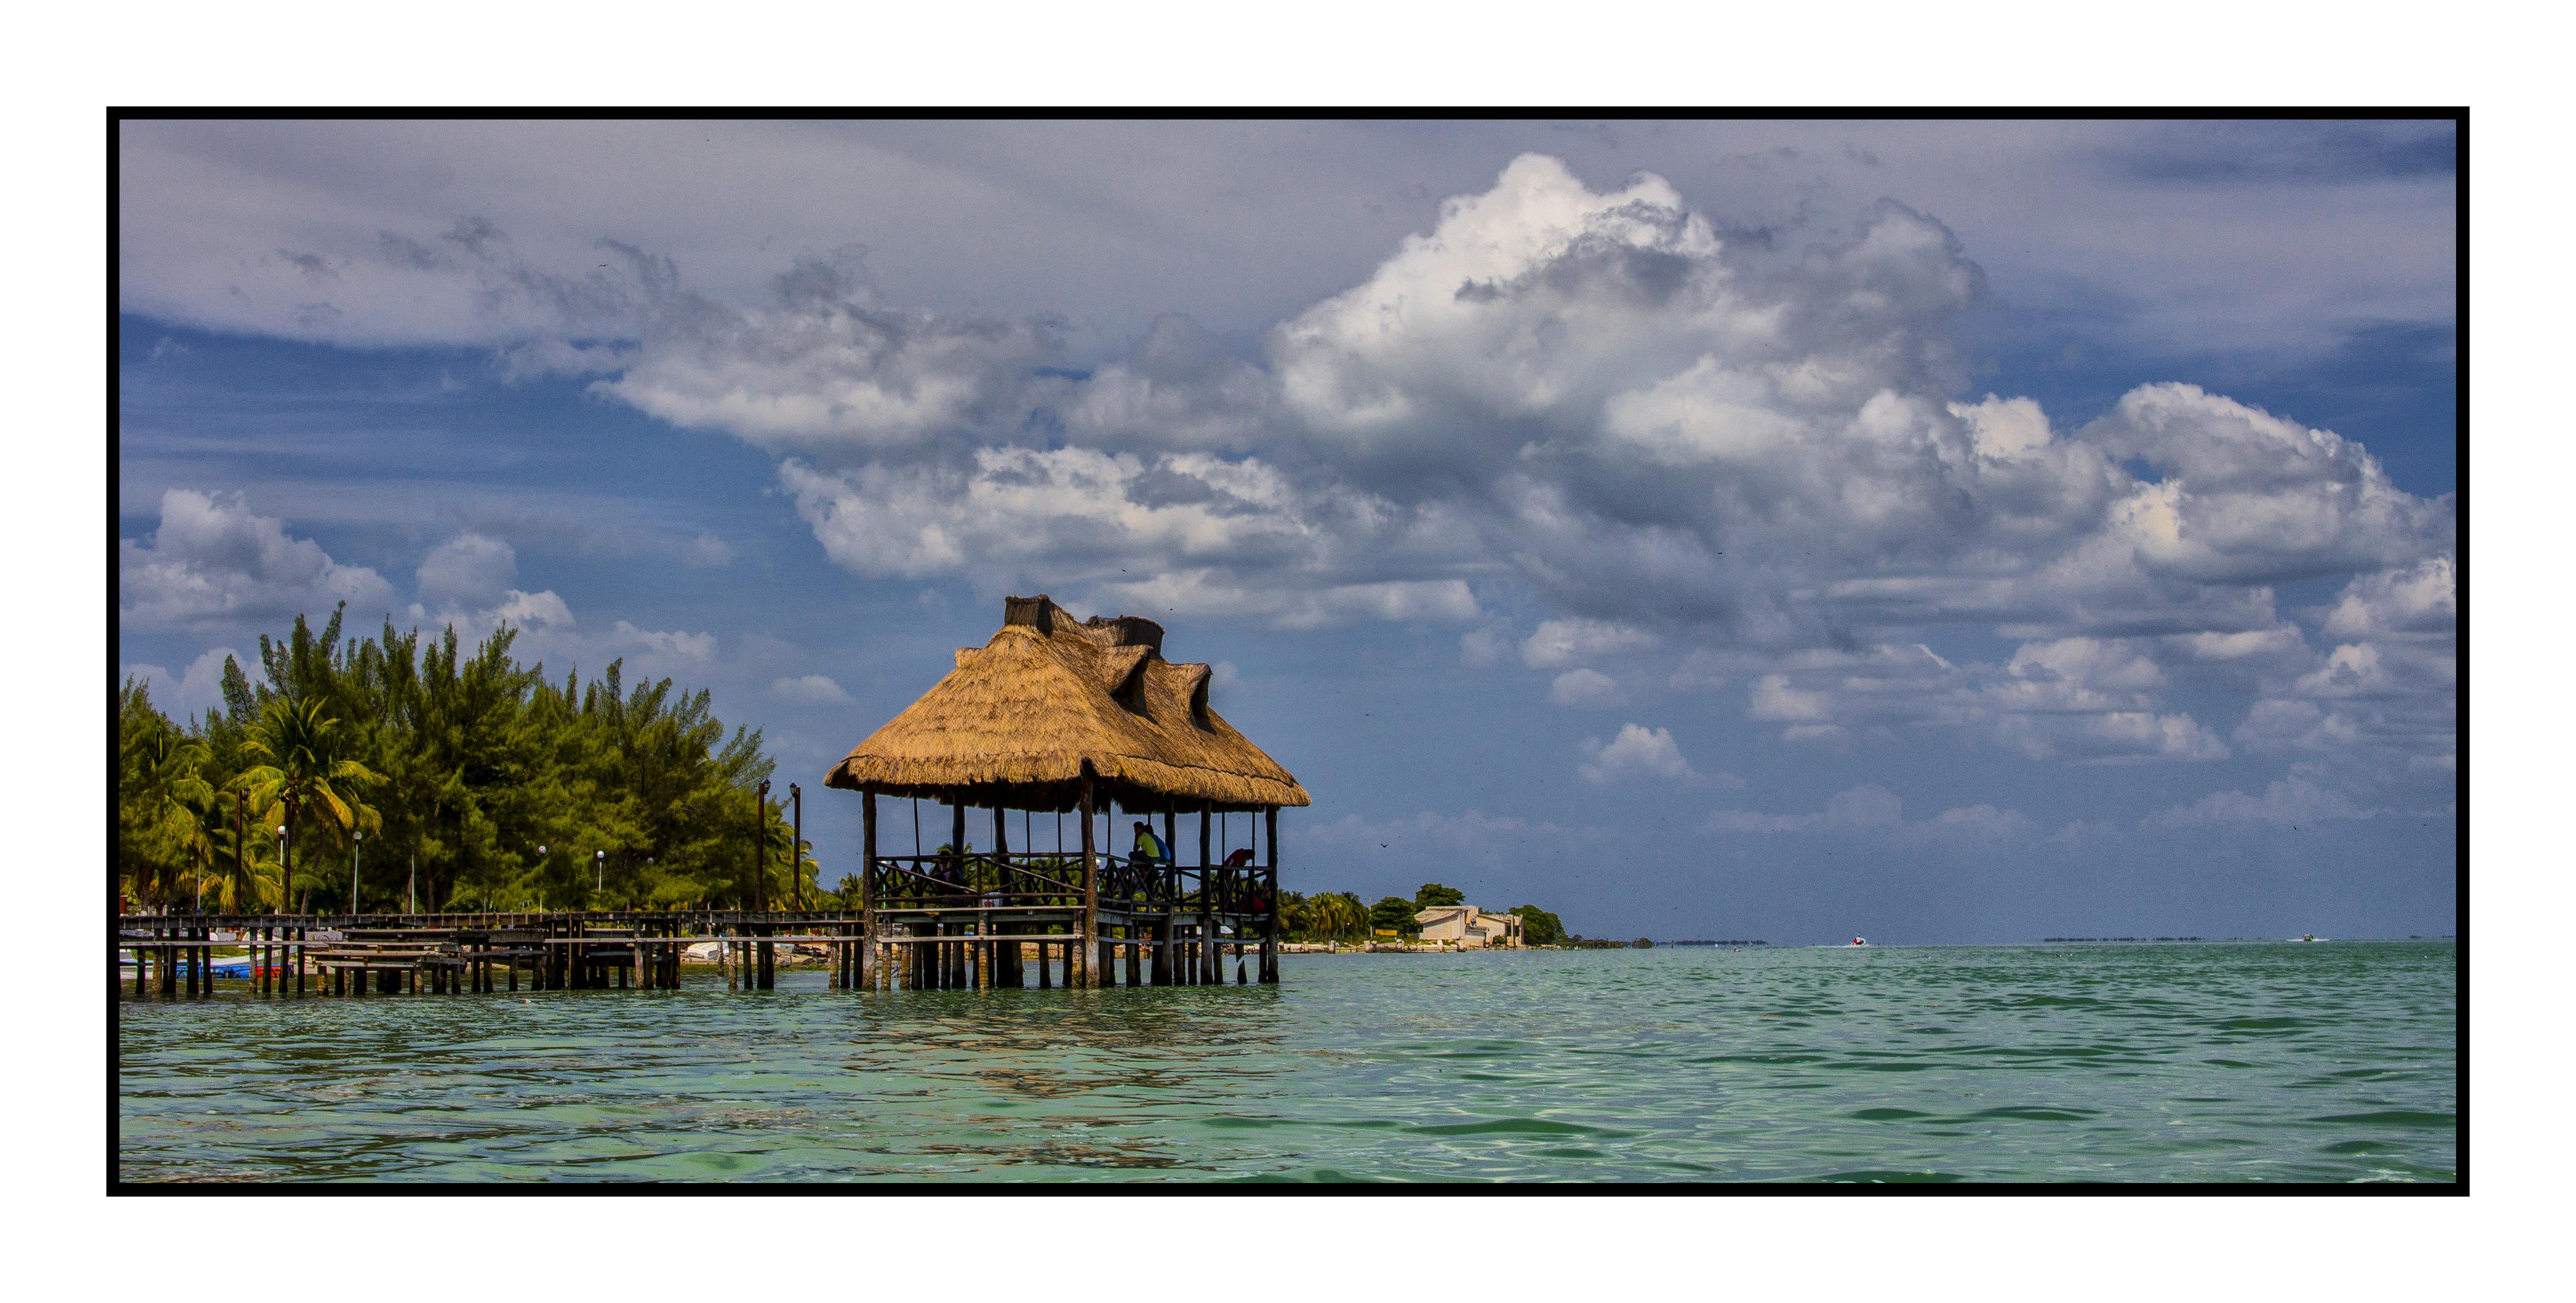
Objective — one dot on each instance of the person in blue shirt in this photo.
(1149, 848)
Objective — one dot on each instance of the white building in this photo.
(1470, 928)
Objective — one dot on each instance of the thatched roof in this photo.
(1021, 717)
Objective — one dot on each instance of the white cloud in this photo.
(810, 689)
(1638, 752)
(2418, 599)
(707, 552)
(673, 645)
(199, 689)
(1560, 644)
(1586, 690)
(1873, 810)
(2295, 801)
(1984, 821)
(469, 569)
(1669, 436)
(213, 561)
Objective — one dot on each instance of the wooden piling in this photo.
(1270, 923)
(867, 885)
(1090, 884)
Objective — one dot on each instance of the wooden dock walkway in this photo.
(1161, 926)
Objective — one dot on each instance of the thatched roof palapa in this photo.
(1022, 718)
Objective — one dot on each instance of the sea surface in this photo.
(2267, 1062)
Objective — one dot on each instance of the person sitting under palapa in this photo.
(1149, 848)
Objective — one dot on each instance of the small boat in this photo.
(1859, 941)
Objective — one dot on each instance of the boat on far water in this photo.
(1859, 941)
(2307, 936)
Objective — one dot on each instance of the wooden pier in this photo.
(981, 922)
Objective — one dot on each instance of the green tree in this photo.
(308, 771)
(465, 762)
(1538, 927)
(164, 803)
(1395, 914)
(1431, 895)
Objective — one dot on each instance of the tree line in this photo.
(398, 772)
(1340, 916)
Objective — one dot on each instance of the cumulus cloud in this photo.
(811, 690)
(2298, 800)
(514, 607)
(2076, 699)
(1755, 462)
(2418, 599)
(212, 561)
(1873, 810)
(193, 692)
(469, 569)
(1559, 644)
(673, 644)
(1587, 690)
(1638, 752)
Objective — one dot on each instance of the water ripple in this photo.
(2244, 1062)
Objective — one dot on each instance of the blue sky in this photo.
(1941, 532)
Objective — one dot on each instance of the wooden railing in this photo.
(988, 881)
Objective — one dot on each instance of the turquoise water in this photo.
(2216, 1062)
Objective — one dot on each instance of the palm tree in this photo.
(176, 801)
(307, 765)
(256, 881)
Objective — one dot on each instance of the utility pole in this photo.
(411, 889)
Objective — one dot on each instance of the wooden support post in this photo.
(1270, 921)
(1090, 885)
(868, 885)
(957, 840)
(1208, 975)
(1135, 955)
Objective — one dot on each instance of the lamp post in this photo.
(355, 837)
(285, 874)
(598, 872)
(796, 847)
(541, 866)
